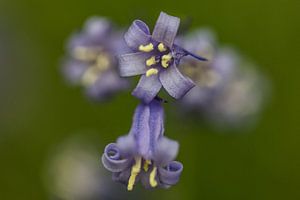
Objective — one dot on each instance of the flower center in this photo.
(161, 57)
(136, 169)
(97, 58)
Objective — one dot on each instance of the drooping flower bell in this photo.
(91, 60)
(156, 58)
(144, 154)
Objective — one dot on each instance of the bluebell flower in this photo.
(144, 154)
(211, 76)
(241, 99)
(229, 91)
(91, 60)
(155, 57)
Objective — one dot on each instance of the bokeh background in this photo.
(38, 112)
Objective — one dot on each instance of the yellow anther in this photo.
(147, 48)
(103, 61)
(161, 47)
(151, 72)
(152, 176)
(165, 59)
(90, 76)
(135, 170)
(151, 61)
(146, 165)
(85, 54)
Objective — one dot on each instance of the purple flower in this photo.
(227, 92)
(156, 58)
(209, 77)
(91, 60)
(144, 154)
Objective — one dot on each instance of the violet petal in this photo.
(147, 88)
(97, 28)
(112, 159)
(170, 174)
(166, 151)
(174, 82)
(156, 123)
(73, 70)
(137, 34)
(122, 177)
(140, 129)
(106, 85)
(132, 64)
(127, 145)
(165, 29)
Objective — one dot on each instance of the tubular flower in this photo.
(144, 154)
(155, 57)
(91, 60)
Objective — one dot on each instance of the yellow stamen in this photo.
(147, 48)
(161, 47)
(151, 61)
(103, 61)
(135, 170)
(152, 176)
(85, 54)
(146, 165)
(151, 72)
(90, 76)
(165, 59)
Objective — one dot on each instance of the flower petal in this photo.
(112, 159)
(73, 70)
(166, 151)
(174, 82)
(132, 64)
(156, 123)
(165, 29)
(123, 176)
(108, 84)
(97, 28)
(171, 173)
(147, 88)
(127, 145)
(140, 129)
(137, 34)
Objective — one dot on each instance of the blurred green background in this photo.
(38, 110)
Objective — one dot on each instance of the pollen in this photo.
(151, 61)
(103, 61)
(152, 176)
(146, 165)
(161, 47)
(135, 170)
(165, 59)
(146, 48)
(151, 72)
(90, 76)
(84, 54)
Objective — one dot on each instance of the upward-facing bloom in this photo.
(209, 77)
(155, 57)
(91, 59)
(229, 91)
(144, 154)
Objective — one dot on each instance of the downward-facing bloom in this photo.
(156, 58)
(91, 60)
(144, 154)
